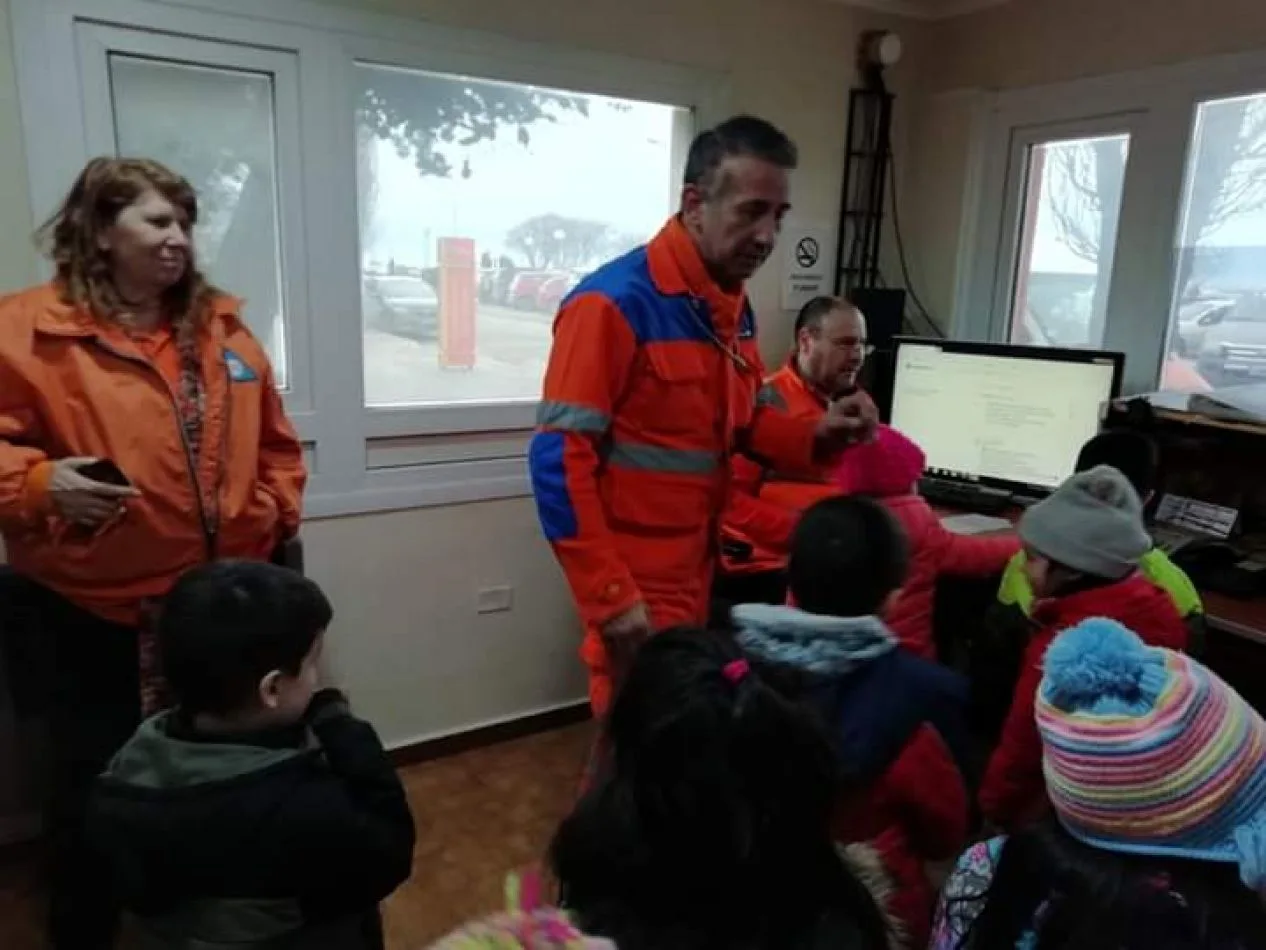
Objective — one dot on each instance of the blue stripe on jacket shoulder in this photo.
(653, 317)
(549, 486)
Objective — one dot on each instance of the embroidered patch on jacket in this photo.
(239, 370)
(747, 324)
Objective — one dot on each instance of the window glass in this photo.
(482, 204)
(215, 127)
(1217, 325)
(1068, 229)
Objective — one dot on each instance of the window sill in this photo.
(428, 486)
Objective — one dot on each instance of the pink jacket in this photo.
(936, 552)
(887, 469)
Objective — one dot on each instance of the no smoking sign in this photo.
(804, 250)
(807, 252)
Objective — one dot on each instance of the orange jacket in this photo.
(766, 504)
(70, 386)
(650, 388)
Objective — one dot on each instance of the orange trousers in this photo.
(665, 614)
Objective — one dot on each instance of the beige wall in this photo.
(1034, 42)
(407, 641)
(1027, 42)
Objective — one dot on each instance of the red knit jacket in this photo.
(935, 553)
(1013, 789)
(915, 814)
(887, 468)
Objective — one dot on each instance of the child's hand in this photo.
(326, 703)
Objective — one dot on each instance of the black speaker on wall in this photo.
(884, 308)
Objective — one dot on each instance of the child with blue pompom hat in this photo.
(1156, 771)
(1083, 545)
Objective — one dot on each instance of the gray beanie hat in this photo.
(1092, 523)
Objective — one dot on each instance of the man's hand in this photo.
(848, 419)
(622, 636)
(82, 501)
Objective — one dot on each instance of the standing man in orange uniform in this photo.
(766, 502)
(651, 387)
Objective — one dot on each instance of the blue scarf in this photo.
(825, 646)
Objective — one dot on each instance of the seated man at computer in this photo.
(765, 505)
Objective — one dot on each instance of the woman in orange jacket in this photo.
(141, 433)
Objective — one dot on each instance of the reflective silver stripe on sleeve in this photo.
(655, 458)
(572, 418)
(768, 397)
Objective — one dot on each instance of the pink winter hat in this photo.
(889, 464)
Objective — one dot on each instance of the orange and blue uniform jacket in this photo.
(650, 388)
(765, 503)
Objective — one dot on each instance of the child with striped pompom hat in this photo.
(1156, 774)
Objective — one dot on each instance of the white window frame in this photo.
(1158, 108)
(362, 458)
(96, 42)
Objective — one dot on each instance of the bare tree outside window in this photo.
(1068, 228)
(1217, 334)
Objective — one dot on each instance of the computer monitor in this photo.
(1010, 417)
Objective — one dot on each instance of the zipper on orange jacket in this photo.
(209, 531)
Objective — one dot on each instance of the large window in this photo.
(1068, 234)
(1128, 213)
(401, 207)
(1217, 330)
(471, 237)
(229, 156)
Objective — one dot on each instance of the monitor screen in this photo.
(1010, 415)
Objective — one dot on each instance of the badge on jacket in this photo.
(239, 369)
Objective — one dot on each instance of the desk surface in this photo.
(1243, 618)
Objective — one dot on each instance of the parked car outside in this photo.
(1194, 319)
(554, 290)
(1234, 349)
(526, 287)
(403, 305)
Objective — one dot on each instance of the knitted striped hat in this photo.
(1147, 752)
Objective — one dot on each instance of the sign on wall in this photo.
(807, 259)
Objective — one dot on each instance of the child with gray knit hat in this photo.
(1092, 525)
(1083, 545)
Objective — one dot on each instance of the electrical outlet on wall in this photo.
(494, 600)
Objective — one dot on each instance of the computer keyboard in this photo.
(969, 497)
(1170, 538)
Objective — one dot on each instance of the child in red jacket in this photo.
(897, 721)
(888, 469)
(1082, 545)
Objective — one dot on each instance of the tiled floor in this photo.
(479, 815)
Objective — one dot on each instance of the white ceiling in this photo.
(924, 9)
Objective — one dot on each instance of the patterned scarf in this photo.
(191, 393)
(190, 396)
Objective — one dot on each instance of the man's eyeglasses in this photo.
(853, 346)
